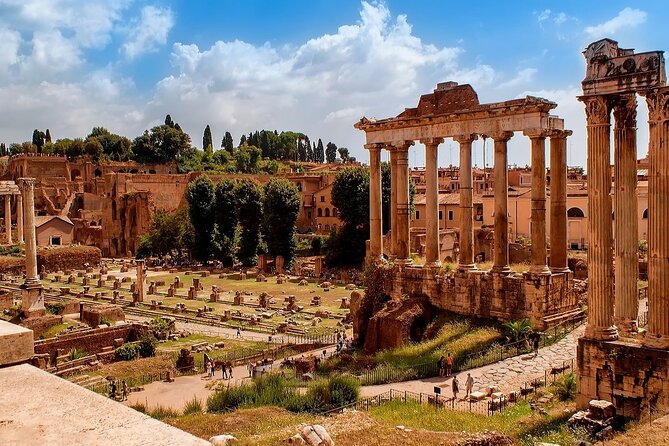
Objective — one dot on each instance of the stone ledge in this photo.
(16, 344)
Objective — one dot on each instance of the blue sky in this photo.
(313, 66)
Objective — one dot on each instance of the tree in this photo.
(248, 199)
(310, 150)
(114, 147)
(281, 207)
(200, 197)
(319, 152)
(38, 139)
(169, 233)
(247, 159)
(227, 143)
(93, 149)
(47, 137)
(207, 142)
(331, 152)
(343, 154)
(162, 144)
(226, 219)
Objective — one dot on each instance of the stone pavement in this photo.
(509, 374)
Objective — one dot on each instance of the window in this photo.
(309, 215)
(575, 213)
(450, 215)
(55, 240)
(327, 227)
(645, 214)
(441, 216)
(417, 215)
(327, 212)
(320, 212)
(322, 198)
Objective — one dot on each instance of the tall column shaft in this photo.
(657, 332)
(375, 202)
(393, 201)
(538, 209)
(626, 218)
(558, 227)
(403, 208)
(8, 219)
(19, 217)
(432, 257)
(466, 260)
(600, 264)
(501, 254)
(28, 190)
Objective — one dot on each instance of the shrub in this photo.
(126, 352)
(318, 397)
(106, 321)
(162, 327)
(54, 308)
(76, 353)
(343, 390)
(316, 245)
(160, 412)
(518, 330)
(147, 345)
(565, 387)
(193, 406)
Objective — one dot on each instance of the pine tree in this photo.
(48, 136)
(331, 152)
(242, 140)
(207, 141)
(227, 143)
(319, 153)
(310, 151)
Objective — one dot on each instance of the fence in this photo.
(484, 407)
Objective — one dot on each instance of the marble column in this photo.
(140, 292)
(501, 254)
(32, 303)
(626, 221)
(8, 219)
(403, 208)
(466, 258)
(432, 251)
(558, 227)
(538, 202)
(600, 260)
(375, 202)
(19, 217)
(393, 201)
(657, 332)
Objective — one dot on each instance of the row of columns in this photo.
(613, 300)
(400, 209)
(8, 218)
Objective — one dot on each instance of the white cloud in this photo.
(524, 76)
(9, 47)
(627, 18)
(543, 15)
(560, 18)
(149, 32)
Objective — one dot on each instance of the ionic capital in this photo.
(658, 105)
(432, 141)
(26, 184)
(502, 136)
(597, 109)
(465, 139)
(536, 133)
(624, 111)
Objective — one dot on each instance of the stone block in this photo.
(601, 409)
(477, 396)
(16, 344)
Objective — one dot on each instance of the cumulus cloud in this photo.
(149, 32)
(627, 18)
(524, 76)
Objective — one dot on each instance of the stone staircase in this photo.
(559, 318)
(88, 381)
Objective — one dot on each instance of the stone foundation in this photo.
(624, 372)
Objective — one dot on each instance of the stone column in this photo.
(393, 200)
(466, 258)
(558, 229)
(19, 217)
(32, 298)
(626, 219)
(600, 261)
(538, 209)
(501, 254)
(432, 251)
(375, 202)
(403, 208)
(140, 294)
(8, 218)
(657, 333)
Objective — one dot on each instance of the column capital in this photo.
(536, 133)
(400, 145)
(502, 136)
(26, 184)
(432, 141)
(597, 109)
(375, 146)
(466, 139)
(624, 111)
(658, 105)
(559, 133)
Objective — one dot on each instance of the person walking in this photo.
(441, 366)
(124, 391)
(229, 369)
(449, 365)
(249, 367)
(455, 385)
(536, 344)
(112, 390)
(239, 332)
(469, 385)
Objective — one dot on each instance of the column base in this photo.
(601, 333)
(539, 269)
(435, 264)
(32, 299)
(405, 262)
(660, 342)
(467, 267)
(627, 327)
(501, 269)
(559, 269)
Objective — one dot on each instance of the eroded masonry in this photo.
(544, 294)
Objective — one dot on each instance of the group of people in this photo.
(445, 366)
(226, 369)
(113, 389)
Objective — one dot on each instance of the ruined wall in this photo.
(91, 341)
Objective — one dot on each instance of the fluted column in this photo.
(466, 259)
(393, 201)
(403, 209)
(375, 202)
(626, 218)
(501, 255)
(558, 227)
(600, 261)
(19, 217)
(657, 333)
(8, 219)
(432, 251)
(538, 209)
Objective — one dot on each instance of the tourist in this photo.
(229, 369)
(449, 365)
(124, 391)
(239, 332)
(441, 366)
(224, 371)
(207, 366)
(112, 391)
(325, 353)
(249, 367)
(469, 385)
(537, 337)
(456, 387)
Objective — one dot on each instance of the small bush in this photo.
(565, 387)
(55, 307)
(76, 353)
(126, 352)
(193, 406)
(316, 244)
(139, 407)
(160, 413)
(106, 321)
(147, 345)
(343, 390)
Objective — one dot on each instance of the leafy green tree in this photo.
(169, 233)
(76, 148)
(207, 141)
(249, 199)
(200, 197)
(344, 155)
(221, 157)
(93, 149)
(319, 152)
(162, 144)
(38, 139)
(227, 143)
(247, 159)
(310, 150)
(331, 152)
(47, 137)
(281, 207)
(3, 149)
(226, 219)
(114, 147)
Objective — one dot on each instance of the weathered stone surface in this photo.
(399, 322)
(16, 344)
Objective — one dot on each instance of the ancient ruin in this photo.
(544, 293)
(631, 372)
(32, 300)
